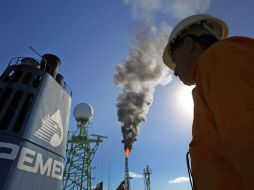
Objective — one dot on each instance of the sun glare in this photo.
(185, 101)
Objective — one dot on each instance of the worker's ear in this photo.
(189, 43)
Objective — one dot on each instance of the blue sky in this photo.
(92, 37)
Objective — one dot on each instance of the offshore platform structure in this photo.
(81, 149)
(34, 115)
(147, 174)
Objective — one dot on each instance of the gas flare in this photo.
(127, 152)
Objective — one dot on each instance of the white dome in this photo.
(83, 111)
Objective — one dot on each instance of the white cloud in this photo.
(184, 8)
(151, 5)
(179, 180)
(147, 10)
(135, 175)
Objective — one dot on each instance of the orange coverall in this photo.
(222, 148)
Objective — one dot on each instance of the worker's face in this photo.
(184, 61)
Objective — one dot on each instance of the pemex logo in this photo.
(51, 130)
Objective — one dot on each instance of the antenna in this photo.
(99, 136)
(36, 52)
(109, 182)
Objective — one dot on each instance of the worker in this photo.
(200, 53)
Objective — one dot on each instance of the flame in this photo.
(127, 152)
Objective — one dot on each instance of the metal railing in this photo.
(37, 63)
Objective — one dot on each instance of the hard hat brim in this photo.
(167, 59)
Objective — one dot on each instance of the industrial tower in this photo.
(147, 173)
(127, 175)
(81, 149)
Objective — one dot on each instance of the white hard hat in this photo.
(212, 25)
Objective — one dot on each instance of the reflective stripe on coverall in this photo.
(222, 148)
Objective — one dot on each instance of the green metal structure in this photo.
(80, 151)
(147, 175)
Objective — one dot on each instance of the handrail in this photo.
(18, 61)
